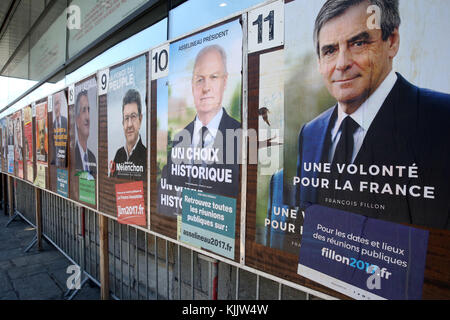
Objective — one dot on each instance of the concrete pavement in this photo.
(36, 275)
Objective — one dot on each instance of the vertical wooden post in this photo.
(2, 185)
(10, 197)
(37, 206)
(104, 257)
(4, 193)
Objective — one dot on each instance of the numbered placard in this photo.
(50, 103)
(71, 97)
(160, 62)
(103, 81)
(266, 27)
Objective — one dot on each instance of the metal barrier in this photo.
(145, 265)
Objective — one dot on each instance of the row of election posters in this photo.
(345, 154)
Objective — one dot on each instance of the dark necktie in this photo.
(344, 149)
(86, 159)
(204, 132)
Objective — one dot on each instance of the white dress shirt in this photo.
(82, 154)
(363, 116)
(213, 127)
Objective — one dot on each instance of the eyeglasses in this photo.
(133, 117)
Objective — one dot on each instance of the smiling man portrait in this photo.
(380, 120)
(85, 159)
(207, 133)
(133, 153)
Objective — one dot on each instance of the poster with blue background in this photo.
(361, 257)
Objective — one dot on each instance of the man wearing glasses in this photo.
(130, 160)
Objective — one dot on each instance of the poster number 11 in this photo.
(259, 22)
(266, 27)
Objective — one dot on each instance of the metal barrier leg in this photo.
(12, 219)
(32, 243)
(75, 291)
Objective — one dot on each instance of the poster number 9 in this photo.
(103, 77)
(160, 62)
(266, 27)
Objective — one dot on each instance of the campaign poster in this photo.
(62, 186)
(84, 151)
(18, 143)
(4, 149)
(41, 134)
(367, 139)
(208, 222)
(130, 203)
(199, 117)
(127, 110)
(60, 130)
(361, 257)
(10, 144)
(28, 142)
(1, 146)
(361, 134)
(41, 145)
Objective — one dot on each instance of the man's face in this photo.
(41, 126)
(83, 120)
(57, 106)
(208, 83)
(353, 59)
(131, 123)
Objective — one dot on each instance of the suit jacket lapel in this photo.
(390, 130)
(316, 136)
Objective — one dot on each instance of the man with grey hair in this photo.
(84, 158)
(207, 133)
(59, 136)
(380, 121)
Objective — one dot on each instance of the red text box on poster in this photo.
(130, 203)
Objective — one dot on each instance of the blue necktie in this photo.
(86, 166)
(204, 133)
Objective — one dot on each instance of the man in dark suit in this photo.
(84, 158)
(205, 154)
(391, 135)
(59, 131)
(130, 161)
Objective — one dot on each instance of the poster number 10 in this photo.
(160, 62)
